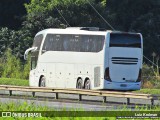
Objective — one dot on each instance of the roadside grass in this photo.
(33, 108)
(24, 107)
(149, 91)
(14, 81)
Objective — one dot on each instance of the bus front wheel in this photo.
(42, 82)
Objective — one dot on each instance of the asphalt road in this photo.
(69, 101)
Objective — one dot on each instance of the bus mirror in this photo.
(43, 51)
(27, 51)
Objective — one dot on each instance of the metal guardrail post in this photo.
(56, 97)
(33, 94)
(10, 92)
(128, 101)
(104, 99)
(152, 101)
(80, 97)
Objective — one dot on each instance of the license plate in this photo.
(123, 85)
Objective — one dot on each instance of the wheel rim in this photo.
(79, 84)
(42, 82)
(87, 84)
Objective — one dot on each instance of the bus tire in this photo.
(87, 84)
(42, 82)
(79, 84)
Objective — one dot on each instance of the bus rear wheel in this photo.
(42, 82)
(79, 84)
(87, 85)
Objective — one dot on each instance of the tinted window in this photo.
(37, 41)
(34, 58)
(125, 40)
(77, 43)
(34, 55)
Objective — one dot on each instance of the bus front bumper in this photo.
(122, 85)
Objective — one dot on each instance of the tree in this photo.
(11, 12)
(149, 25)
(12, 66)
(124, 12)
(55, 14)
(137, 16)
(17, 41)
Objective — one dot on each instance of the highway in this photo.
(70, 101)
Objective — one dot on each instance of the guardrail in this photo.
(81, 92)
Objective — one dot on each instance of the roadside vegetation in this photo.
(12, 67)
(149, 91)
(150, 77)
(14, 81)
(24, 107)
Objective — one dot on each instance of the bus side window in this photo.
(92, 41)
(77, 43)
(46, 42)
(100, 43)
(59, 43)
(69, 43)
(89, 44)
(84, 43)
(65, 43)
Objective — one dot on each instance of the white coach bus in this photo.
(86, 58)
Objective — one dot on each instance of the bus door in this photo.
(33, 72)
(33, 79)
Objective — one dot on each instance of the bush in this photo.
(150, 77)
(12, 67)
(148, 84)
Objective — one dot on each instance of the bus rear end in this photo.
(123, 70)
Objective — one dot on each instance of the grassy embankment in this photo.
(13, 81)
(149, 91)
(24, 107)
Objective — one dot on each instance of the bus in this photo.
(86, 58)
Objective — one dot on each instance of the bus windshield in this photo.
(37, 41)
(125, 40)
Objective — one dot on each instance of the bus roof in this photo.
(80, 31)
(72, 31)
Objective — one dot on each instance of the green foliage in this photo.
(26, 69)
(11, 67)
(150, 78)
(138, 16)
(48, 13)
(148, 71)
(17, 41)
(149, 91)
(12, 13)
(32, 107)
(13, 81)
